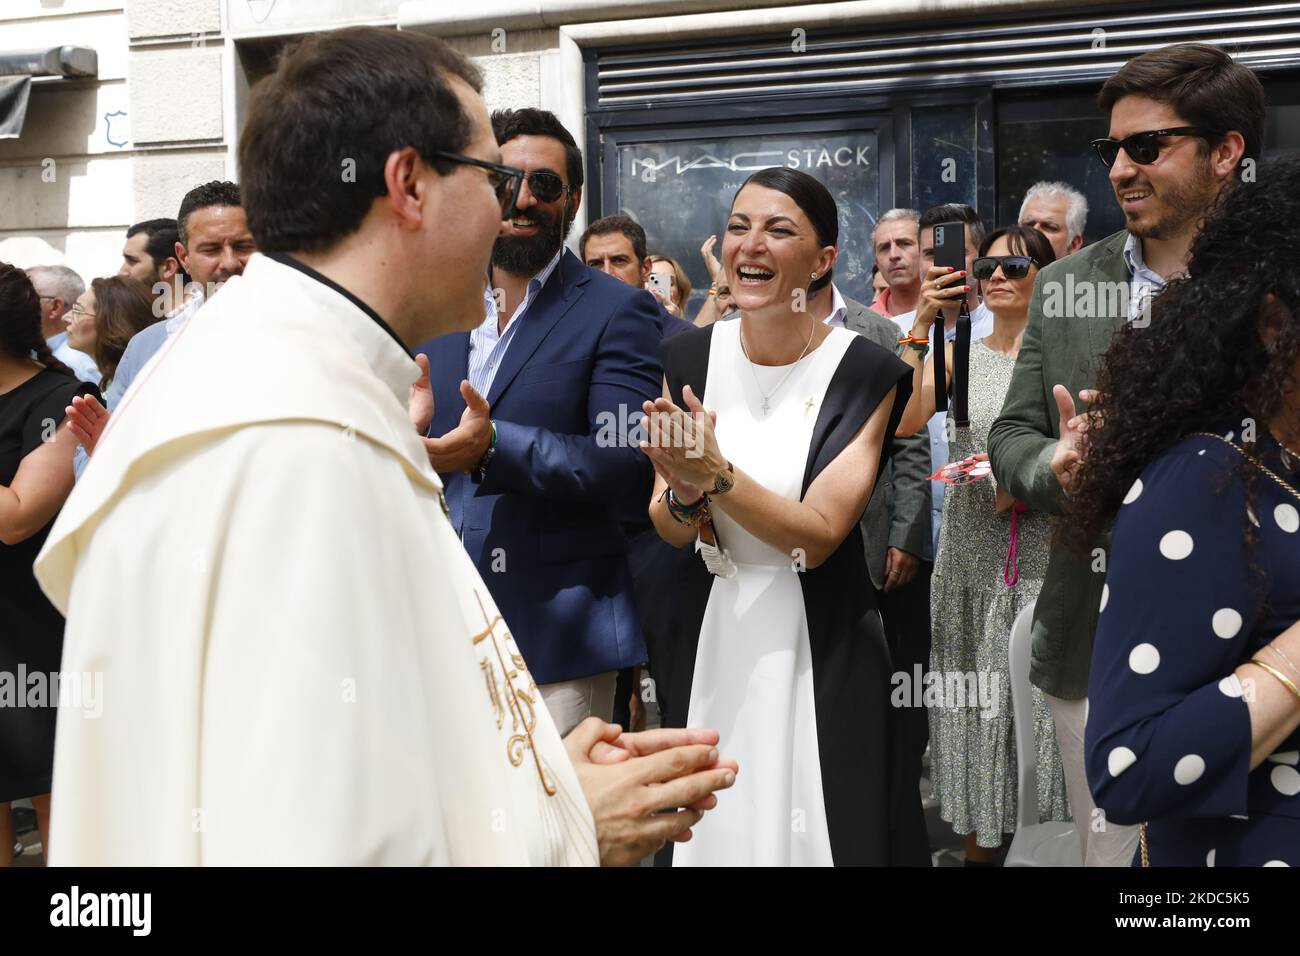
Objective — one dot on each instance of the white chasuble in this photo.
(300, 663)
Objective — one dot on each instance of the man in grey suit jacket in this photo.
(895, 526)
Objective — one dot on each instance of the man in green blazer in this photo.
(1182, 118)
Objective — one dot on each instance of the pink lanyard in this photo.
(1011, 569)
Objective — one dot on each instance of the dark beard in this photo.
(525, 256)
(1186, 204)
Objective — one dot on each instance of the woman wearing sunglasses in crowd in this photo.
(1195, 683)
(990, 563)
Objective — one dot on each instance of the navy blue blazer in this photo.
(672, 325)
(543, 526)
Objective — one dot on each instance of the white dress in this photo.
(753, 678)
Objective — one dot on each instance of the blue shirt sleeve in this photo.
(1168, 732)
(142, 347)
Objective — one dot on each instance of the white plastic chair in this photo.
(1035, 844)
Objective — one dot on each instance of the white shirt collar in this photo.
(839, 309)
(1137, 268)
(1144, 284)
(534, 286)
(179, 315)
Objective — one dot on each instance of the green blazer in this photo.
(1077, 305)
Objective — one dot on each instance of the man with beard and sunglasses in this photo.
(1184, 119)
(533, 430)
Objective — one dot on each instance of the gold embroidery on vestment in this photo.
(509, 696)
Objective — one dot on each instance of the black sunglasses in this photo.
(1013, 267)
(546, 185)
(1143, 148)
(505, 180)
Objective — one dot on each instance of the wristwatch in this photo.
(724, 481)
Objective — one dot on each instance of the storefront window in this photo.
(943, 155)
(681, 190)
(1050, 140)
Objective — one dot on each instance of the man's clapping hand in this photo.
(462, 448)
(648, 788)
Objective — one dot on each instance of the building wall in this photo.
(163, 115)
(66, 189)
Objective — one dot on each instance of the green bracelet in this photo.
(481, 470)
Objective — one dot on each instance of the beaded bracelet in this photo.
(693, 515)
(917, 343)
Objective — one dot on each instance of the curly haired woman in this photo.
(1194, 451)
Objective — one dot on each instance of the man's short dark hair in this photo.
(507, 124)
(617, 223)
(321, 128)
(954, 212)
(161, 236)
(1199, 82)
(215, 193)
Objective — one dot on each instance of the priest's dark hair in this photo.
(813, 198)
(20, 320)
(322, 126)
(160, 236)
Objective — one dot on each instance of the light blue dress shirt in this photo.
(1144, 285)
(82, 365)
(143, 346)
(487, 345)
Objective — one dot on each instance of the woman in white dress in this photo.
(783, 648)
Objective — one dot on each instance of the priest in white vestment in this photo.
(301, 664)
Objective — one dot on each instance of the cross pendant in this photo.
(764, 406)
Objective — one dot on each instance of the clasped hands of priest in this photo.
(645, 788)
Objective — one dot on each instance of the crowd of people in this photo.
(401, 588)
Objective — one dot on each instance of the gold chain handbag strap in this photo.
(1265, 470)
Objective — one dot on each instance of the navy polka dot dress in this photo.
(1185, 602)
